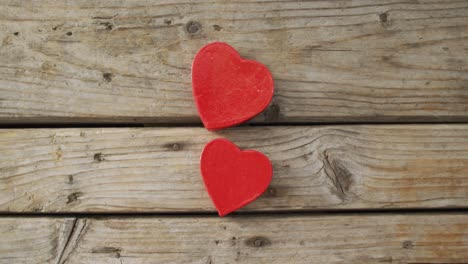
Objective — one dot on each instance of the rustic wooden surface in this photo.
(157, 169)
(114, 61)
(32, 240)
(419, 238)
(333, 61)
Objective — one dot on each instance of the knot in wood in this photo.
(271, 192)
(175, 147)
(107, 76)
(258, 241)
(407, 244)
(383, 17)
(193, 27)
(272, 113)
(98, 157)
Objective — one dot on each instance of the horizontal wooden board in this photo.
(395, 239)
(33, 240)
(332, 61)
(157, 169)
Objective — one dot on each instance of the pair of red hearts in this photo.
(229, 90)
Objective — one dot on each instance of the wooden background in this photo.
(367, 132)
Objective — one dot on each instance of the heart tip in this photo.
(223, 214)
(213, 128)
(216, 127)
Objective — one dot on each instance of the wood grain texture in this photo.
(271, 239)
(333, 61)
(33, 240)
(157, 169)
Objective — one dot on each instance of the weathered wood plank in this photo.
(338, 61)
(427, 238)
(33, 240)
(157, 169)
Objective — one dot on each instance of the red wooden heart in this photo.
(233, 178)
(228, 90)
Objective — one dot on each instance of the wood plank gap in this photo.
(344, 212)
(199, 125)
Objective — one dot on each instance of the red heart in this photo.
(233, 178)
(228, 90)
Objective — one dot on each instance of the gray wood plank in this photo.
(157, 169)
(34, 240)
(391, 238)
(333, 61)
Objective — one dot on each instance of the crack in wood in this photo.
(67, 241)
(107, 250)
(73, 237)
(104, 17)
(332, 174)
